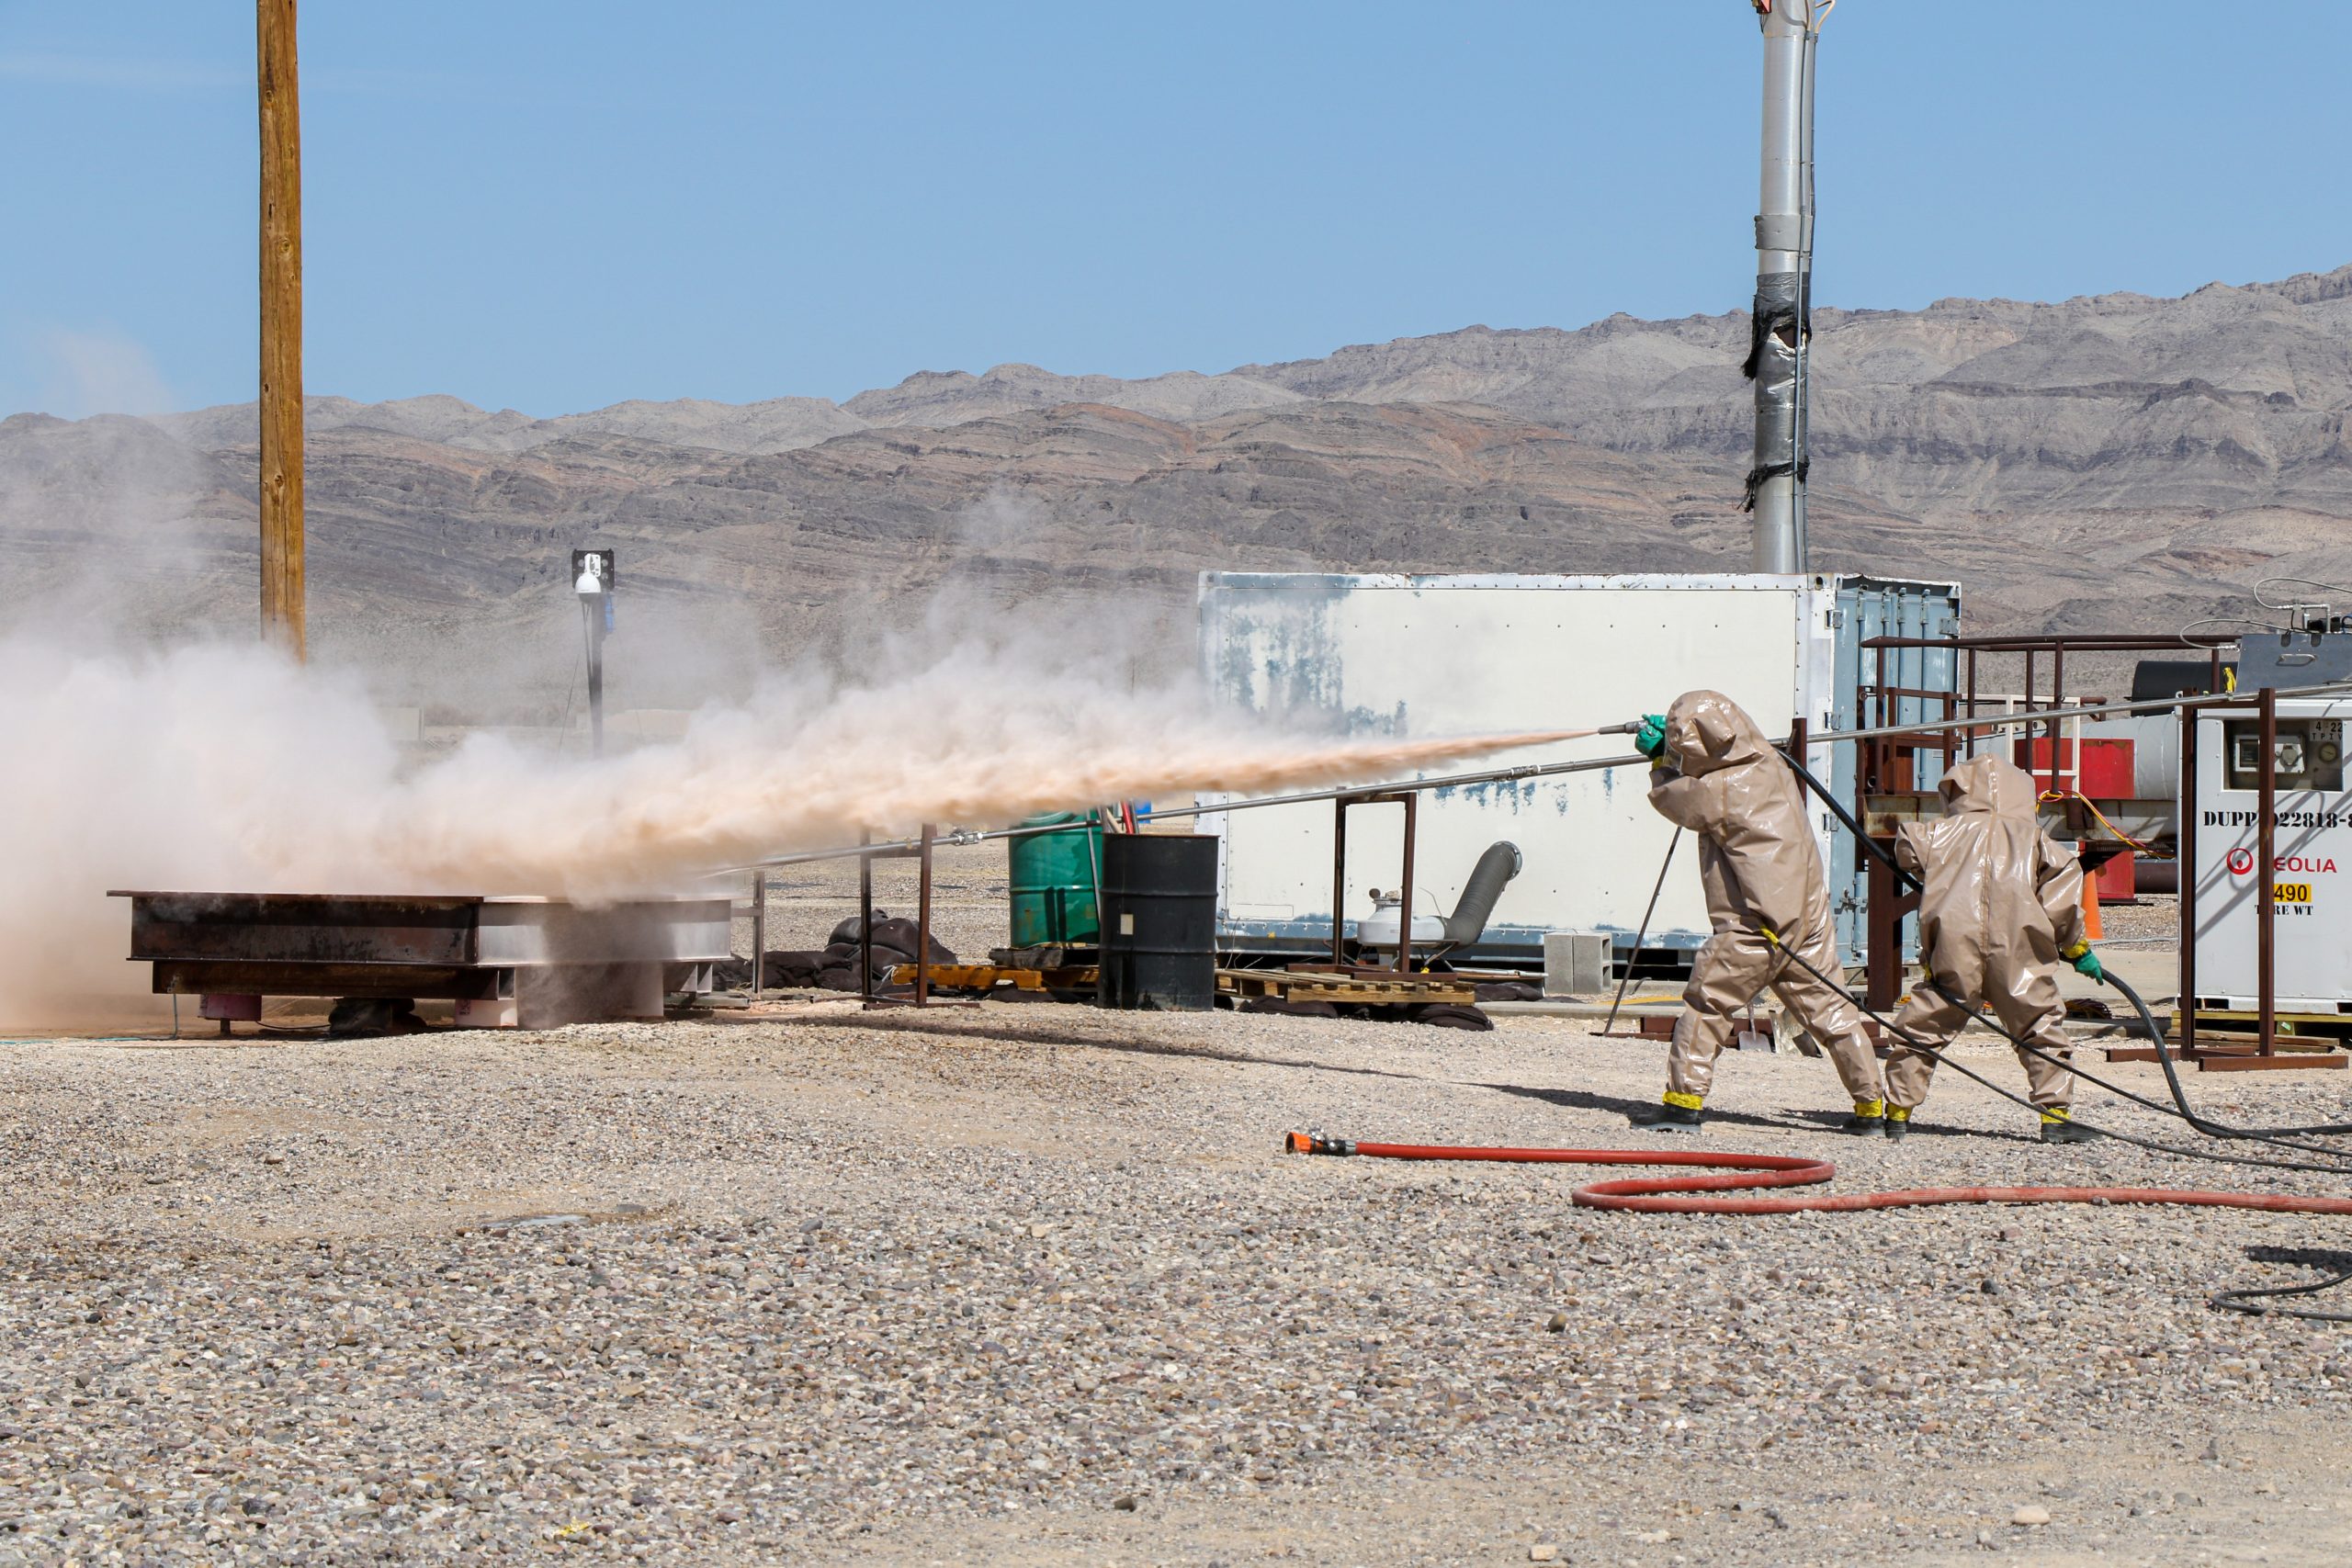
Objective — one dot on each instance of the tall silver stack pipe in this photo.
(1781, 324)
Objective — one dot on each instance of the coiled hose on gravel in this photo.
(1674, 1194)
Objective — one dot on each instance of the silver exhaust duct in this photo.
(1781, 324)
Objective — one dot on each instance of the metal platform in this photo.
(508, 963)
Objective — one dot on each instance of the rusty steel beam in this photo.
(302, 929)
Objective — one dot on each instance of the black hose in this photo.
(1870, 845)
(2247, 1299)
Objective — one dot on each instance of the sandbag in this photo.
(1448, 1015)
(357, 1017)
(847, 930)
(788, 970)
(902, 935)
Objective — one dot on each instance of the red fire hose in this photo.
(1657, 1194)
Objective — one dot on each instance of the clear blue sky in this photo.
(557, 206)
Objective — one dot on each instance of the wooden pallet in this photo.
(1324, 986)
(988, 977)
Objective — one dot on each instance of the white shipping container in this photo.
(1459, 655)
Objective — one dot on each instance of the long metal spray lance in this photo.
(1642, 935)
(1596, 764)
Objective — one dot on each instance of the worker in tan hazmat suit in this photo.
(1716, 774)
(2001, 906)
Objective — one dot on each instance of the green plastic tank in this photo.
(1054, 879)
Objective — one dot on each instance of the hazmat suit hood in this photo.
(1992, 784)
(1706, 731)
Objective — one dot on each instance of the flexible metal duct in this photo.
(1488, 879)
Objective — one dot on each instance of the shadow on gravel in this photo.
(2302, 1257)
(902, 1023)
(1825, 1120)
(1585, 1100)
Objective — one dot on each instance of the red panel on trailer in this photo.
(2107, 766)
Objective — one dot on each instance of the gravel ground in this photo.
(2151, 920)
(1033, 1285)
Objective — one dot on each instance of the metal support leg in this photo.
(2266, 854)
(1339, 881)
(923, 922)
(759, 931)
(1405, 905)
(2185, 866)
(866, 923)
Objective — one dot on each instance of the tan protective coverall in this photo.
(2001, 901)
(1720, 778)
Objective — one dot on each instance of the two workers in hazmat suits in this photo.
(2001, 905)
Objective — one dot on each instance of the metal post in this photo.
(2057, 698)
(2185, 861)
(1339, 880)
(2027, 735)
(759, 930)
(283, 618)
(1783, 286)
(1955, 744)
(2266, 806)
(594, 610)
(864, 920)
(1882, 952)
(1971, 699)
(922, 920)
(1404, 904)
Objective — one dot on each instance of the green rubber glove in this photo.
(2087, 963)
(1650, 739)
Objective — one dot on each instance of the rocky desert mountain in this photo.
(2117, 462)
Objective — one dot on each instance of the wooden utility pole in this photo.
(282, 614)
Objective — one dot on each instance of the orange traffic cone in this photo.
(2091, 932)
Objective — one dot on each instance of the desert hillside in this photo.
(2117, 461)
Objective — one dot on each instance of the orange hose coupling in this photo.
(1308, 1144)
